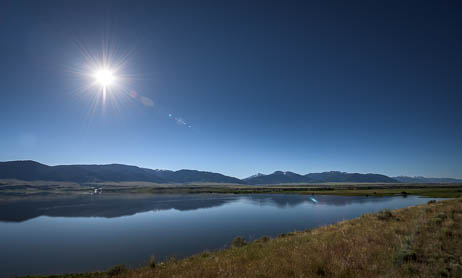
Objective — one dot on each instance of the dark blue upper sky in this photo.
(370, 86)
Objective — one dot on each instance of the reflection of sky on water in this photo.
(96, 232)
(121, 205)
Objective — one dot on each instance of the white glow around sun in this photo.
(105, 77)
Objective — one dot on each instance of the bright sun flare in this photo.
(104, 77)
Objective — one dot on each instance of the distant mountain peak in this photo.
(283, 173)
(254, 176)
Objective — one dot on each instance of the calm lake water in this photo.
(95, 232)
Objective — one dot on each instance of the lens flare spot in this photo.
(147, 101)
(133, 94)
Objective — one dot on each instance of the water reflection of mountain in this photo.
(121, 205)
(292, 200)
(105, 205)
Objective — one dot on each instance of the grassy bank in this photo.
(380, 190)
(420, 241)
(21, 189)
(435, 192)
(342, 189)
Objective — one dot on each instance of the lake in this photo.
(95, 232)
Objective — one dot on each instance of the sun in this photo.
(104, 77)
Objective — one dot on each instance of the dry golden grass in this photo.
(421, 241)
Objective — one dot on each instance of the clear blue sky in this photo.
(303, 86)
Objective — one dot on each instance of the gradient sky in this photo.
(371, 86)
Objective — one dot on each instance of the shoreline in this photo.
(421, 240)
(50, 190)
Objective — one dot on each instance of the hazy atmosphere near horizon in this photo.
(234, 87)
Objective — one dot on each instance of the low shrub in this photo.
(205, 254)
(152, 262)
(320, 270)
(385, 215)
(442, 216)
(263, 239)
(405, 256)
(239, 242)
(116, 270)
(287, 235)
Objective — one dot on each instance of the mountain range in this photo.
(28, 170)
(332, 176)
(426, 180)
